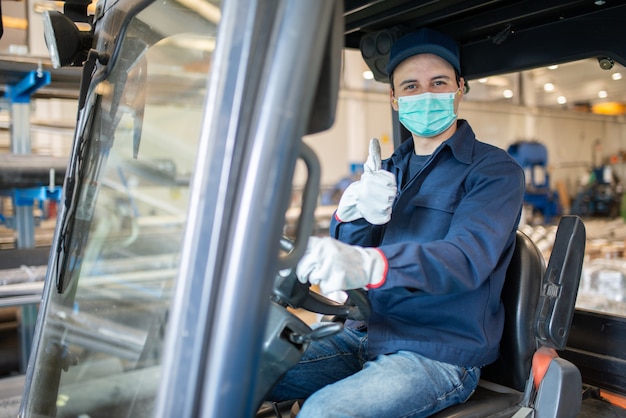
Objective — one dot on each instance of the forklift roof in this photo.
(495, 36)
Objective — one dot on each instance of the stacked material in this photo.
(603, 280)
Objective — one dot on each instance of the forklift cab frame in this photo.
(169, 319)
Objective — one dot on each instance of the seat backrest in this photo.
(520, 297)
(560, 284)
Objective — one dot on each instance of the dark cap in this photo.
(424, 41)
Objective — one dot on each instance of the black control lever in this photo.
(317, 333)
(320, 304)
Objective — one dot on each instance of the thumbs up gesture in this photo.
(372, 197)
(377, 190)
(373, 162)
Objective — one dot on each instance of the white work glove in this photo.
(334, 266)
(372, 196)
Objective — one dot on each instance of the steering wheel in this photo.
(287, 337)
(289, 291)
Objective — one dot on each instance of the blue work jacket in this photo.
(448, 244)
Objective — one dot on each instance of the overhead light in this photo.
(483, 80)
(199, 43)
(10, 22)
(204, 9)
(42, 6)
(368, 75)
(609, 108)
(616, 76)
(548, 87)
(553, 67)
(68, 46)
(561, 100)
(602, 94)
(507, 93)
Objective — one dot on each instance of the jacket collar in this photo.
(461, 144)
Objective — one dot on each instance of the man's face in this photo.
(425, 73)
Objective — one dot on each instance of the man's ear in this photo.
(392, 99)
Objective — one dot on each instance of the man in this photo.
(430, 233)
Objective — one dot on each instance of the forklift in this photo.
(170, 288)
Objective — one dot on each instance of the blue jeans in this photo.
(338, 379)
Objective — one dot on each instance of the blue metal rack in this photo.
(19, 98)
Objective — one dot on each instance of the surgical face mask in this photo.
(427, 114)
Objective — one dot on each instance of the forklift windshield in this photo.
(120, 235)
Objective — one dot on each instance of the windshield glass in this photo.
(104, 327)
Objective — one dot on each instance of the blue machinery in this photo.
(533, 157)
(23, 220)
(601, 196)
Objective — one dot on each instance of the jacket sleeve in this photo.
(481, 229)
(358, 232)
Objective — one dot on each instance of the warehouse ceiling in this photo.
(537, 36)
(508, 36)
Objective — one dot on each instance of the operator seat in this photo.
(539, 305)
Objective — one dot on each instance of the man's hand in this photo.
(333, 266)
(378, 189)
(371, 197)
